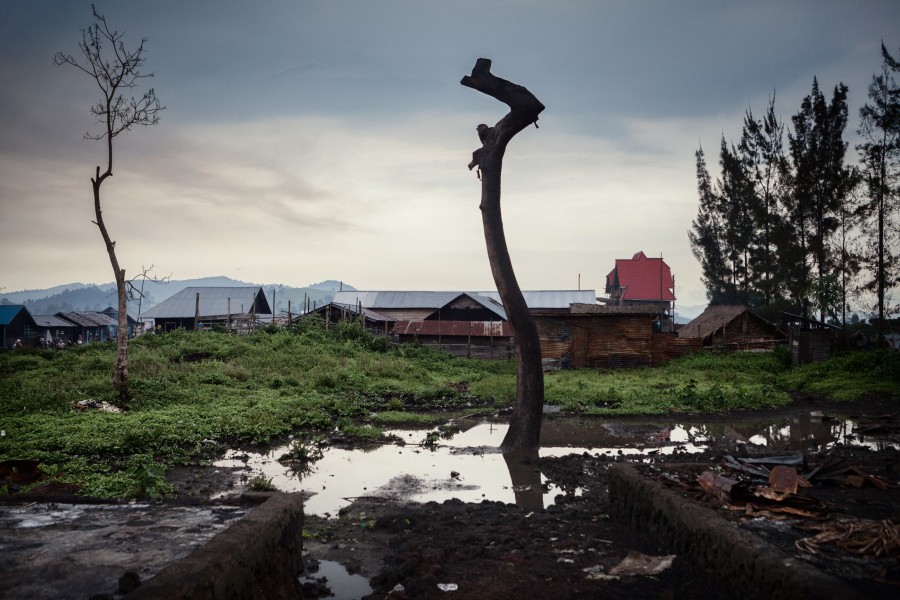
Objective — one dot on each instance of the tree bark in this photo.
(525, 425)
(120, 371)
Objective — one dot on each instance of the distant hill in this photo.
(54, 300)
(79, 296)
(687, 313)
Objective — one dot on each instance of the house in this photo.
(643, 280)
(89, 326)
(607, 336)
(194, 308)
(732, 327)
(132, 322)
(16, 323)
(52, 328)
(472, 324)
(461, 306)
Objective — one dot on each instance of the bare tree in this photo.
(137, 293)
(116, 71)
(525, 426)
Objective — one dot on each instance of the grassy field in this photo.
(196, 393)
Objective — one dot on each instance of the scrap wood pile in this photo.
(776, 487)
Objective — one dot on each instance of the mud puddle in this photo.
(467, 465)
(332, 580)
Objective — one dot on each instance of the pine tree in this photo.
(762, 153)
(736, 196)
(819, 187)
(707, 238)
(879, 155)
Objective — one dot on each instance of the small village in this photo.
(632, 325)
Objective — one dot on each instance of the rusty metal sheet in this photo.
(453, 328)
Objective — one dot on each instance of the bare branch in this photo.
(135, 292)
(114, 68)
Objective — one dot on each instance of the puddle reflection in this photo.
(469, 466)
(341, 584)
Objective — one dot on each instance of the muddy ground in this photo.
(572, 548)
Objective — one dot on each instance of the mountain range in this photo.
(81, 296)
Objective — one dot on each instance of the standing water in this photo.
(469, 466)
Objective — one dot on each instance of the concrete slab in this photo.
(82, 550)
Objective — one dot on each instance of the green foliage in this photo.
(849, 376)
(408, 419)
(304, 450)
(149, 480)
(261, 483)
(194, 393)
(365, 432)
(700, 382)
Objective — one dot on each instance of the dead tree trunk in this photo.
(525, 424)
(114, 69)
(120, 371)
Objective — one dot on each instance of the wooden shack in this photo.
(810, 340)
(732, 327)
(599, 336)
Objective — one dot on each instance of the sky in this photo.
(311, 140)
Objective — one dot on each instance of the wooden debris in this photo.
(863, 537)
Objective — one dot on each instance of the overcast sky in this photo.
(311, 140)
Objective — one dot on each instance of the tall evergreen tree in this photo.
(737, 206)
(706, 237)
(762, 152)
(879, 154)
(819, 184)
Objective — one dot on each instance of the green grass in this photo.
(849, 377)
(701, 382)
(193, 389)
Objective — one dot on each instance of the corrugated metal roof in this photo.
(454, 328)
(88, 319)
(8, 312)
(50, 321)
(490, 304)
(351, 309)
(213, 303)
(551, 299)
(540, 299)
(393, 300)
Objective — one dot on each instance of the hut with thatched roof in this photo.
(733, 327)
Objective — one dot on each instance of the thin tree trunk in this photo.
(525, 425)
(120, 372)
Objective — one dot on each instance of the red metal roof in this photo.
(642, 278)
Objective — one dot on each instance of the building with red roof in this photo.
(643, 280)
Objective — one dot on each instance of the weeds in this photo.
(194, 391)
(261, 483)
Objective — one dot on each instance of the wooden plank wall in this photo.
(745, 333)
(612, 341)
